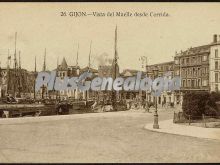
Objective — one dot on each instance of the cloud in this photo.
(103, 59)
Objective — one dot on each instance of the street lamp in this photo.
(156, 125)
(147, 91)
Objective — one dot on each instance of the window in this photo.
(216, 87)
(176, 61)
(183, 72)
(199, 81)
(188, 84)
(194, 71)
(205, 70)
(193, 83)
(216, 77)
(187, 61)
(216, 64)
(177, 72)
(193, 60)
(184, 83)
(204, 58)
(199, 59)
(216, 53)
(204, 82)
(190, 71)
(183, 61)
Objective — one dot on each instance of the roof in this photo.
(64, 64)
(130, 72)
(163, 63)
(195, 50)
(87, 68)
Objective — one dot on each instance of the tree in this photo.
(194, 104)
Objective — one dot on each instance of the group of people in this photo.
(132, 104)
(136, 104)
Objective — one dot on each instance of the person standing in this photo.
(147, 107)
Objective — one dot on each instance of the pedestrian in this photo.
(144, 104)
(163, 104)
(94, 105)
(8, 99)
(147, 107)
(129, 103)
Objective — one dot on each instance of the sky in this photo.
(40, 26)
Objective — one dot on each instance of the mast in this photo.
(115, 63)
(77, 56)
(35, 70)
(89, 65)
(116, 53)
(44, 65)
(20, 74)
(19, 56)
(8, 72)
(15, 65)
(56, 92)
(44, 69)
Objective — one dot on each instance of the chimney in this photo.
(215, 38)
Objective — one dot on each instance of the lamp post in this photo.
(147, 92)
(156, 125)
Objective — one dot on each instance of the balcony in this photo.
(195, 88)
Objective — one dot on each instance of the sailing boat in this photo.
(13, 107)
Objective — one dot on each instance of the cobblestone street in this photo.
(103, 137)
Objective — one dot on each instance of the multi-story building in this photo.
(63, 70)
(192, 66)
(133, 94)
(166, 97)
(198, 68)
(214, 61)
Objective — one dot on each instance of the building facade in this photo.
(64, 70)
(138, 95)
(214, 61)
(166, 97)
(198, 67)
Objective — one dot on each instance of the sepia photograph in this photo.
(131, 82)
